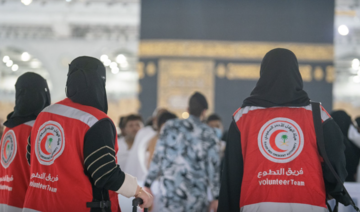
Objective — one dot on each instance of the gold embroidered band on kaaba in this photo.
(232, 50)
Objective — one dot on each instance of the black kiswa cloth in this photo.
(32, 96)
(86, 83)
(280, 82)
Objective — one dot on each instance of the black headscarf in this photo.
(86, 83)
(352, 152)
(343, 120)
(280, 82)
(32, 96)
(357, 120)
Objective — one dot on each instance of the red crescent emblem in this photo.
(43, 144)
(272, 141)
(6, 143)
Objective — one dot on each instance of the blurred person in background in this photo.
(352, 151)
(137, 156)
(132, 124)
(121, 127)
(161, 120)
(150, 148)
(267, 166)
(31, 97)
(136, 164)
(130, 127)
(214, 121)
(72, 150)
(187, 162)
(357, 121)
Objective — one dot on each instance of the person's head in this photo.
(214, 121)
(155, 117)
(132, 124)
(86, 83)
(163, 118)
(343, 120)
(280, 82)
(121, 125)
(32, 95)
(198, 105)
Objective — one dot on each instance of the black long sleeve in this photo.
(232, 173)
(99, 156)
(352, 156)
(335, 147)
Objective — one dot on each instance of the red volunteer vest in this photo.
(282, 167)
(14, 169)
(57, 179)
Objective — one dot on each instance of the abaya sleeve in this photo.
(99, 156)
(232, 173)
(334, 146)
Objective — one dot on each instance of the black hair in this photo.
(213, 117)
(165, 117)
(149, 121)
(132, 117)
(121, 122)
(197, 104)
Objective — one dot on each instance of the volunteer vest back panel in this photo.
(282, 168)
(57, 178)
(14, 169)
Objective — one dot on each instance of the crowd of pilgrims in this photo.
(137, 139)
(136, 135)
(178, 161)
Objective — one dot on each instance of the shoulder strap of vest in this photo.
(315, 106)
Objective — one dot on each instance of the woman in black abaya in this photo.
(352, 152)
(280, 85)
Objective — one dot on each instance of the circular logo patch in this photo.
(280, 140)
(8, 148)
(49, 143)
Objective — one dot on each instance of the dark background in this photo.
(295, 21)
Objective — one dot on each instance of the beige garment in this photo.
(151, 148)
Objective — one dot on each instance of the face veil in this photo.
(32, 95)
(86, 83)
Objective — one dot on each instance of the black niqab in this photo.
(280, 82)
(343, 120)
(86, 83)
(32, 96)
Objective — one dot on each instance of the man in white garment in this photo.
(137, 156)
(129, 128)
